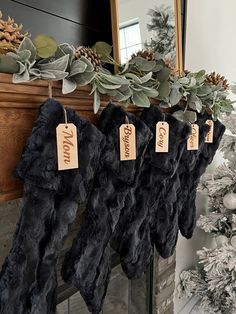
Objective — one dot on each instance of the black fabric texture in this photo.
(28, 277)
(190, 178)
(133, 237)
(178, 187)
(88, 263)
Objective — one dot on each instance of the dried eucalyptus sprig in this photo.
(143, 77)
(30, 69)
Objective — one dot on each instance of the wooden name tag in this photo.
(193, 140)
(209, 136)
(162, 137)
(67, 150)
(127, 142)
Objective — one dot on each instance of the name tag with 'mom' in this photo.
(127, 142)
(67, 150)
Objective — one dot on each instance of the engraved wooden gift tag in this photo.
(127, 142)
(67, 150)
(209, 136)
(162, 137)
(193, 140)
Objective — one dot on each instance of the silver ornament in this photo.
(221, 240)
(229, 201)
(233, 241)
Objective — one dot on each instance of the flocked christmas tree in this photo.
(162, 27)
(214, 280)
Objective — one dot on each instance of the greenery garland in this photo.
(137, 81)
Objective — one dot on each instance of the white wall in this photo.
(211, 45)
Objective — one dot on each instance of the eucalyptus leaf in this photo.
(195, 103)
(184, 80)
(179, 115)
(103, 49)
(21, 78)
(200, 75)
(160, 61)
(45, 45)
(109, 86)
(124, 87)
(142, 87)
(125, 68)
(101, 89)
(192, 82)
(90, 67)
(140, 99)
(64, 49)
(47, 75)
(35, 72)
(96, 102)
(8, 64)
(136, 88)
(147, 66)
(163, 74)
(190, 116)
(57, 74)
(146, 78)
(163, 89)
(22, 68)
(152, 93)
(119, 96)
(59, 64)
(94, 86)
(68, 86)
(175, 96)
(134, 77)
(115, 79)
(78, 66)
(126, 93)
(143, 64)
(112, 92)
(203, 91)
(24, 55)
(126, 103)
(157, 68)
(27, 44)
(84, 78)
(164, 104)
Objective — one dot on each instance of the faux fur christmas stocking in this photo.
(189, 182)
(28, 278)
(87, 264)
(140, 215)
(174, 196)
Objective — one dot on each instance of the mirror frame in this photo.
(114, 4)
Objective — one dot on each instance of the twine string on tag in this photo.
(65, 115)
(49, 89)
(126, 119)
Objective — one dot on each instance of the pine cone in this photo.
(216, 79)
(88, 53)
(146, 54)
(11, 35)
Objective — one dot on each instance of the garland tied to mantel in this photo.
(145, 76)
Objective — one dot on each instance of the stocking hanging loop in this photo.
(49, 89)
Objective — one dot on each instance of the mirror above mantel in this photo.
(151, 24)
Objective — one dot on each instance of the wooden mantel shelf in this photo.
(18, 110)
